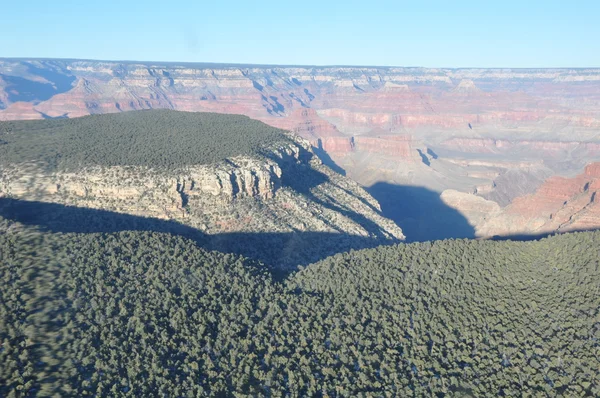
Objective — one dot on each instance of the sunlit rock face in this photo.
(286, 190)
(351, 98)
(559, 205)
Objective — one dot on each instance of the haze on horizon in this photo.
(511, 34)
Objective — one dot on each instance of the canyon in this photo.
(559, 205)
(446, 152)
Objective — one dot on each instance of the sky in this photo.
(483, 33)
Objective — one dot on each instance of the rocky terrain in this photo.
(495, 133)
(315, 101)
(559, 205)
(285, 197)
(237, 194)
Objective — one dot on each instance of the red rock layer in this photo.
(394, 146)
(337, 145)
(593, 170)
(306, 123)
(567, 203)
(20, 111)
(365, 99)
(547, 148)
(398, 147)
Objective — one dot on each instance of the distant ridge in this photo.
(211, 64)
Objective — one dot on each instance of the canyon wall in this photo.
(558, 205)
(470, 110)
(216, 198)
(283, 207)
(366, 98)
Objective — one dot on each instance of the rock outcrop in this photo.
(336, 145)
(560, 204)
(476, 209)
(358, 97)
(503, 146)
(396, 146)
(287, 190)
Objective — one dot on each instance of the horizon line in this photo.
(259, 65)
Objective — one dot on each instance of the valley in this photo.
(282, 200)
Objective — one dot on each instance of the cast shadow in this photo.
(327, 160)
(281, 253)
(27, 90)
(420, 212)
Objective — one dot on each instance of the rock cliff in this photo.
(356, 97)
(560, 204)
(286, 191)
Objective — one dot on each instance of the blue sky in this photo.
(506, 33)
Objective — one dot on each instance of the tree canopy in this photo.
(152, 138)
(151, 314)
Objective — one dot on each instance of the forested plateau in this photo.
(238, 184)
(158, 139)
(152, 314)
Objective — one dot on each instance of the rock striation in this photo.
(356, 97)
(285, 191)
(560, 204)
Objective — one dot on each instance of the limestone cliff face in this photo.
(234, 179)
(504, 146)
(398, 147)
(286, 190)
(337, 145)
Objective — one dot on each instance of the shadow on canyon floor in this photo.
(420, 213)
(424, 217)
(281, 252)
(22, 89)
(327, 160)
